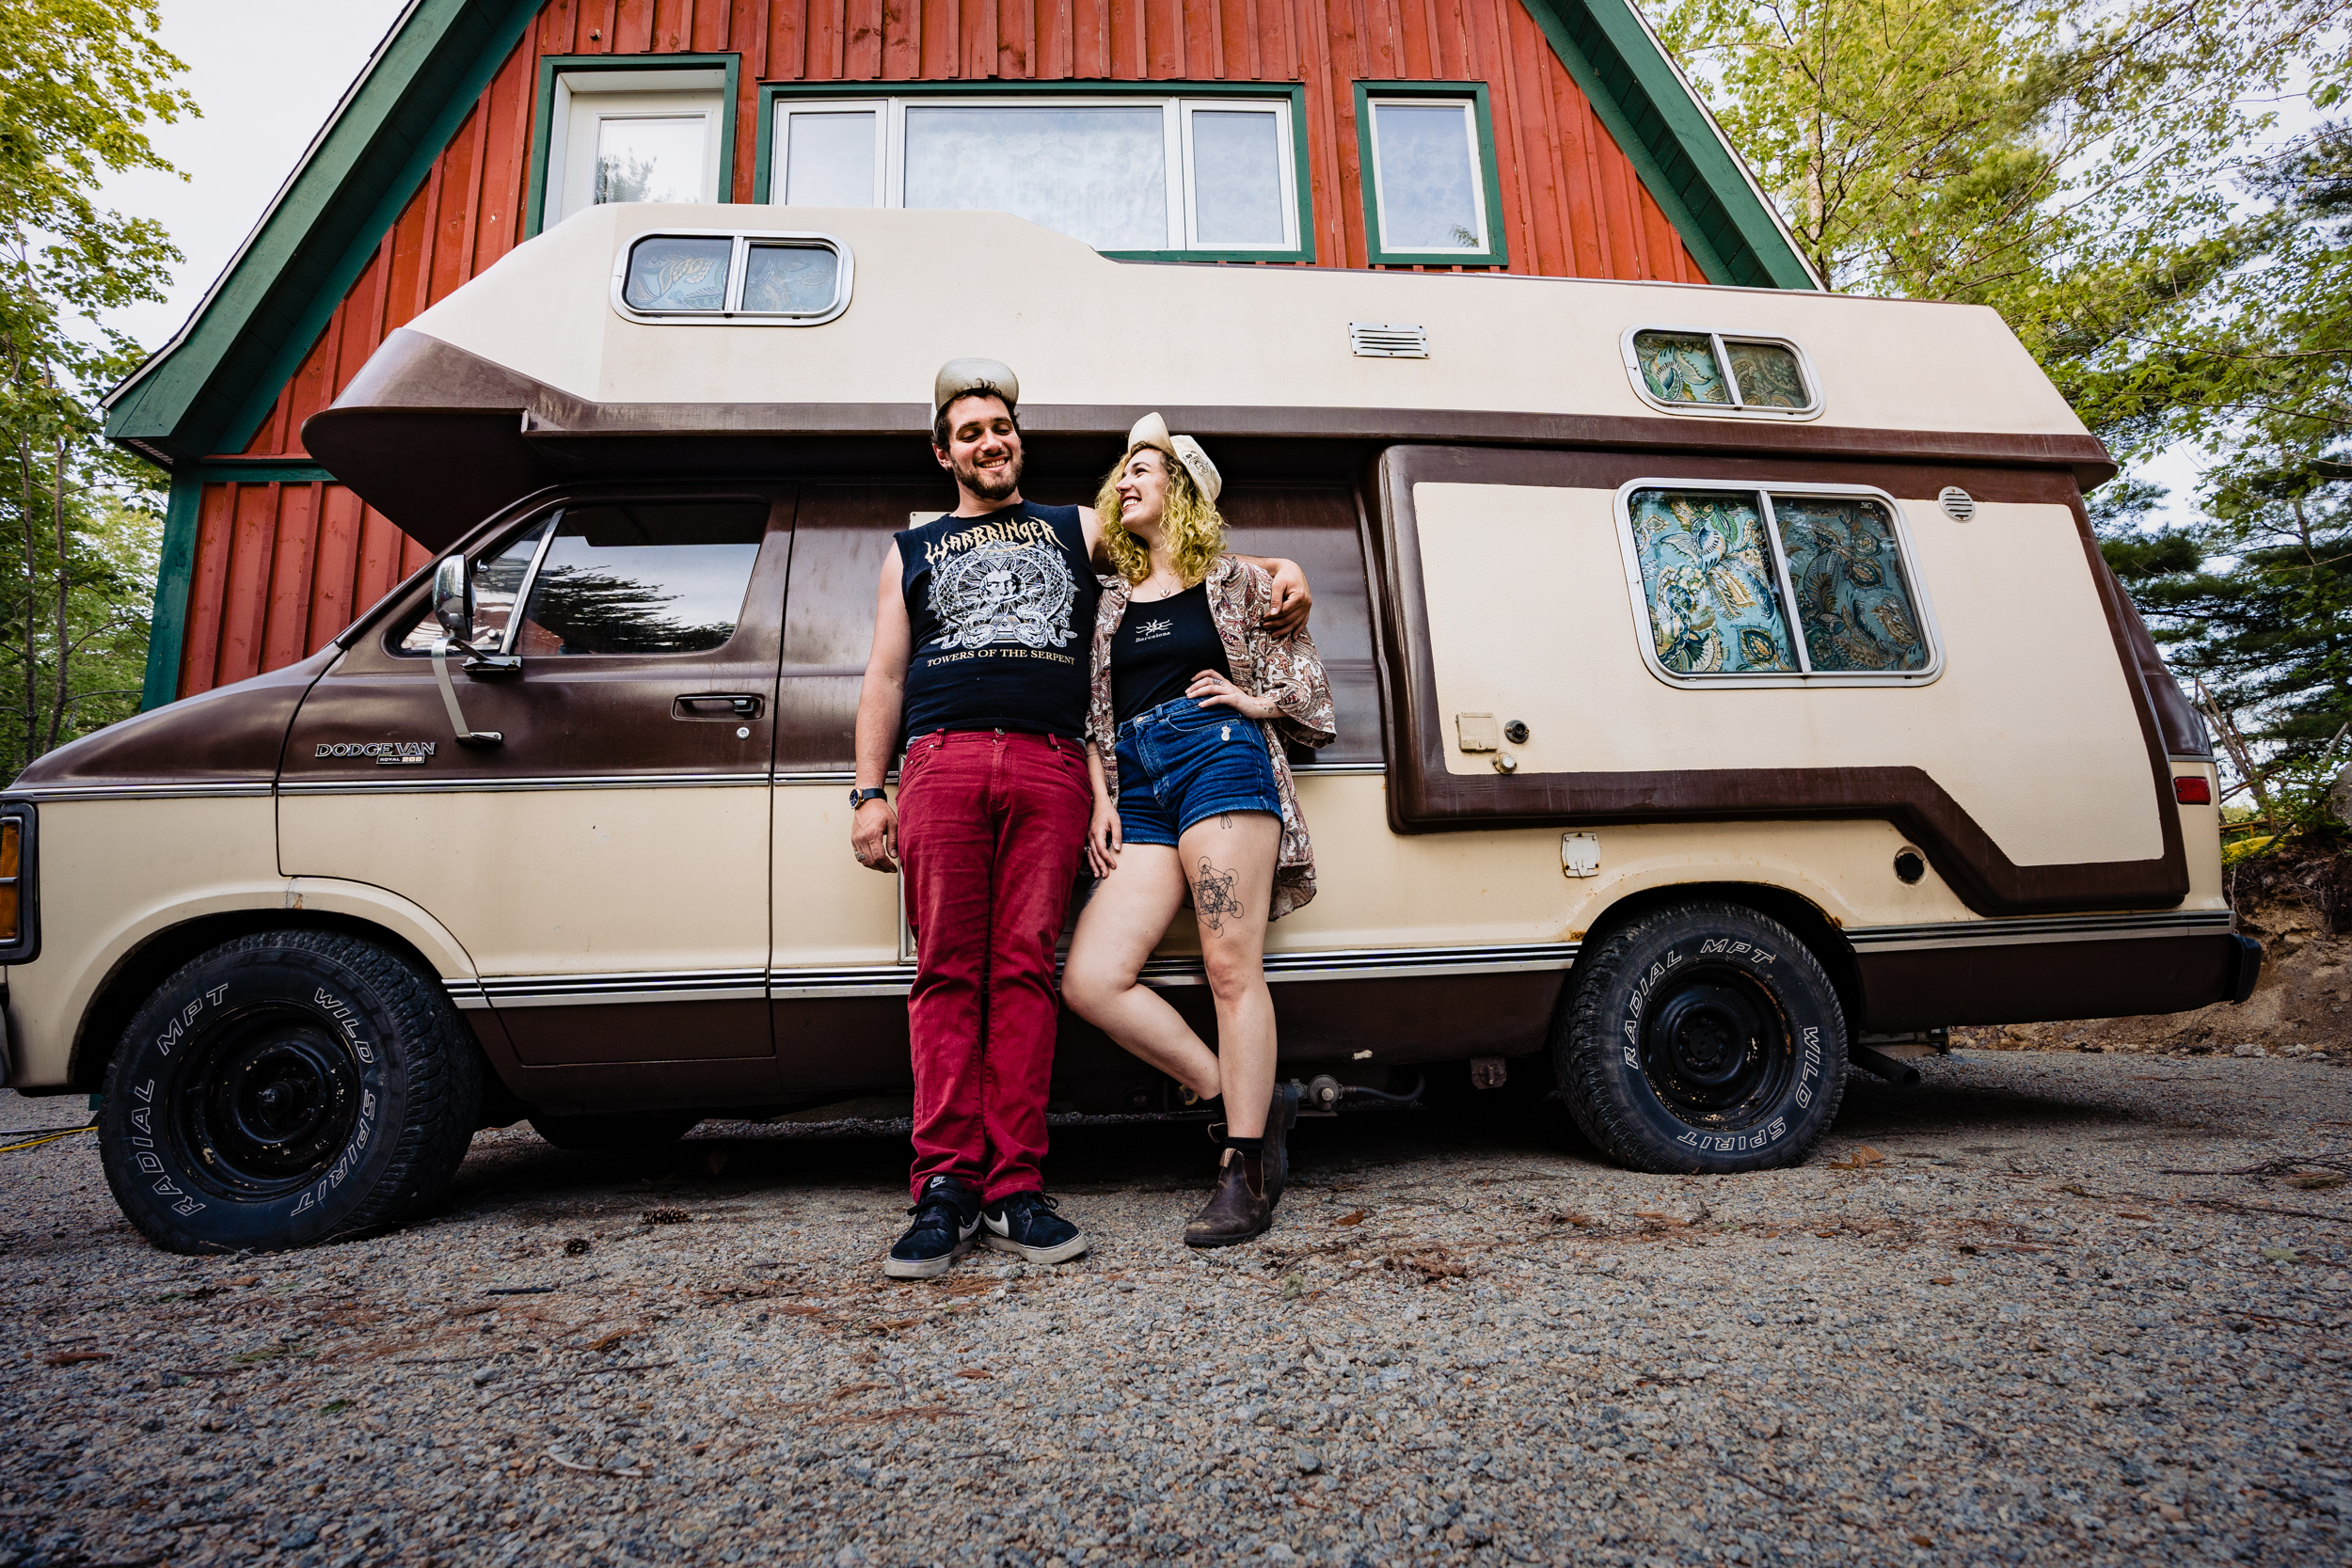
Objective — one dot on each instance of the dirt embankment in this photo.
(2298, 906)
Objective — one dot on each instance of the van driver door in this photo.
(604, 861)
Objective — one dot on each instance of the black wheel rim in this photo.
(1716, 1048)
(267, 1100)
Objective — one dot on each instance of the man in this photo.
(983, 633)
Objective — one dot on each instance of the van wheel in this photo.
(615, 1135)
(1702, 1037)
(287, 1088)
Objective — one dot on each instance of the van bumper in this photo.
(2245, 966)
(2054, 982)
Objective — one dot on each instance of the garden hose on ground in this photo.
(36, 1136)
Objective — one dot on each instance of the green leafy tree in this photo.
(2095, 170)
(80, 81)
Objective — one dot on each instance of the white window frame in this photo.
(1373, 103)
(584, 96)
(1176, 142)
(1907, 559)
(1720, 341)
(732, 313)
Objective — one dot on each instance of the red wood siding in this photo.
(280, 568)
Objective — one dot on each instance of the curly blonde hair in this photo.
(1189, 521)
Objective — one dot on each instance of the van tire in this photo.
(288, 1087)
(615, 1135)
(1640, 1046)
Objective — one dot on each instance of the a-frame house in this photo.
(1564, 136)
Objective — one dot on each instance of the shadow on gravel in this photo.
(867, 1161)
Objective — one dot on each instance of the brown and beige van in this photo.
(1729, 690)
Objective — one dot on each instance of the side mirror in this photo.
(453, 599)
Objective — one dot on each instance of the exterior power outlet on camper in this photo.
(1689, 734)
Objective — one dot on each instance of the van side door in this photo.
(604, 861)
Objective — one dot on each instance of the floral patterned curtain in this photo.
(1679, 367)
(1853, 604)
(1707, 570)
(1767, 374)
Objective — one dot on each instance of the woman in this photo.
(1192, 702)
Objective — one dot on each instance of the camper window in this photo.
(1773, 586)
(704, 276)
(1130, 173)
(1693, 371)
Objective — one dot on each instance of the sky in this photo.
(266, 73)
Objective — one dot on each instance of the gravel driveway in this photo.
(1987, 1323)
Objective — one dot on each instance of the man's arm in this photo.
(880, 705)
(1293, 598)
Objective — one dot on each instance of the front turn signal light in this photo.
(2192, 789)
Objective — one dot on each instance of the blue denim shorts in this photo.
(1182, 763)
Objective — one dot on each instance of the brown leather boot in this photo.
(1237, 1210)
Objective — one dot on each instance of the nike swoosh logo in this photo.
(1000, 1227)
(965, 1233)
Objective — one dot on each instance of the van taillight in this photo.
(2192, 790)
(11, 878)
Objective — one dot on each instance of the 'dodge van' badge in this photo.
(388, 753)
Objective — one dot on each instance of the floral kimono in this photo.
(1286, 669)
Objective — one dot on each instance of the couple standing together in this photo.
(1138, 719)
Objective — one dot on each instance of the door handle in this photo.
(718, 704)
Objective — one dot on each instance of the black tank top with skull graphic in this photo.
(1001, 610)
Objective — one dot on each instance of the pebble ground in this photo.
(1994, 1321)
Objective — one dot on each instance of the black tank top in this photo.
(1159, 647)
(1002, 612)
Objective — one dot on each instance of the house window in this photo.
(1691, 371)
(1428, 173)
(1129, 174)
(617, 133)
(1773, 587)
(713, 277)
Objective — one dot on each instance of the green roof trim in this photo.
(208, 390)
(1682, 158)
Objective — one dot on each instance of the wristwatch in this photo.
(859, 796)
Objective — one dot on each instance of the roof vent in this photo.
(1389, 340)
(1957, 504)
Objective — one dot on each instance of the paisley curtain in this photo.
(1853, 604)
(1707, 571)
(1679, 367)
(676, 273)
(1767, 374)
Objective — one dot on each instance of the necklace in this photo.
(1167, 589)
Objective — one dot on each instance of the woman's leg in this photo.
(1228, 860)
(1117, 931)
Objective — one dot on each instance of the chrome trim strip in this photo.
(577, 991)
(1170, 974)
(371, 785)
(137, 792)
(1298, 769)
(2037, 929)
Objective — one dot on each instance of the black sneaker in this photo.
(945, 1217)
(1024, 1225)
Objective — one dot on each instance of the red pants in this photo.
(991, 826)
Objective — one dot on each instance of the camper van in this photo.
(1729, 692)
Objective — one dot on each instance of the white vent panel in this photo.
(1389, 340)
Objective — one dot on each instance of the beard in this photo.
(992, 484)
